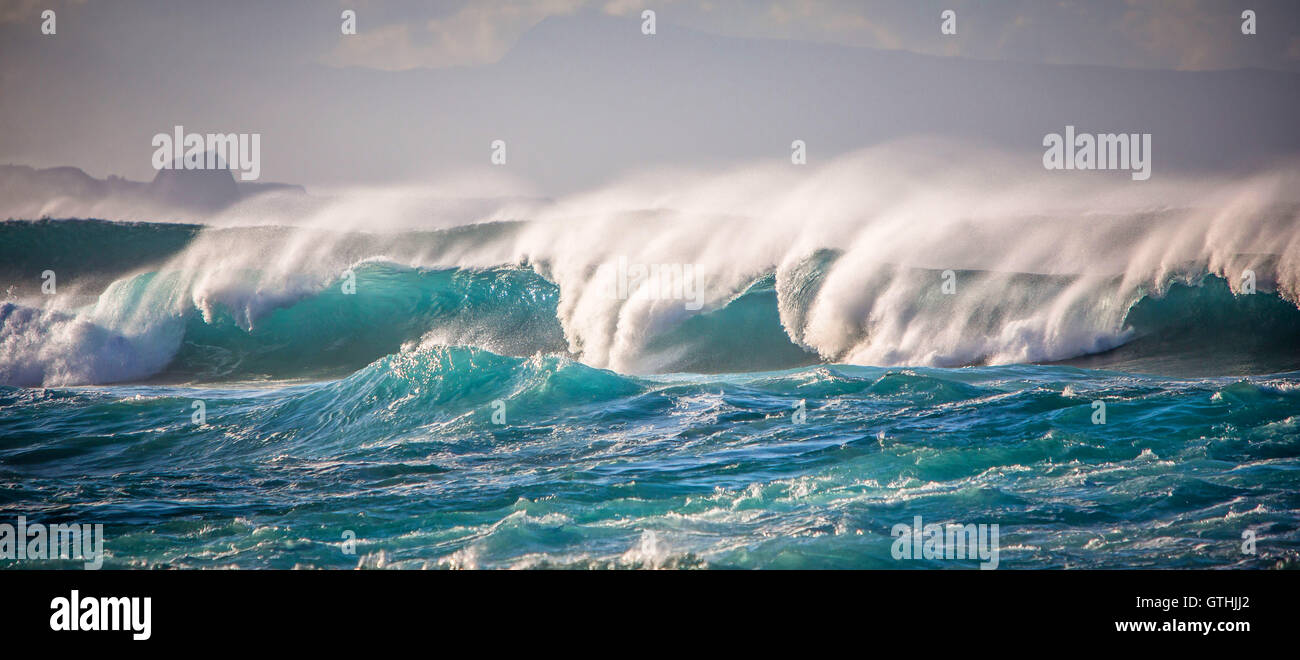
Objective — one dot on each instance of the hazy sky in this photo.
(335, 108)
(1178, 34)
(402, 34)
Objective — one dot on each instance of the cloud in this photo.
(16, 11)
(1184, 35)
(481, 32)
(624, 7)
(1165, 34)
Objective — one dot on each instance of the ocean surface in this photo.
(393, 411)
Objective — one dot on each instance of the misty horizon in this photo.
(583, 99)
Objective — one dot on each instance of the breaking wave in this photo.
(952, 269)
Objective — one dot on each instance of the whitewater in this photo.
(828, 387)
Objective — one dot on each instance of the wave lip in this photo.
(152, 325)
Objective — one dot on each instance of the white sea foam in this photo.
(896, 220)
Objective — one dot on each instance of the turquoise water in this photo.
(329, 421)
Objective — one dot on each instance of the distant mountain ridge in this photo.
(175, 193)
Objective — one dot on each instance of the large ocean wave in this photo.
(184, 319)
(878, 338)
